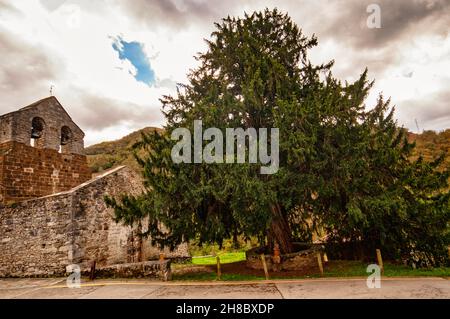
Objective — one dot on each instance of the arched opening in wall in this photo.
(66, 140)
(37, 132)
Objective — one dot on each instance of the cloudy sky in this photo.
(111, 61)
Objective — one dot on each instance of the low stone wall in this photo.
(147, 269)
(35, 237)
(40, 237)
(305, 257)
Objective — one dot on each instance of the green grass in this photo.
(334, 269)
(358, 269)
(225, 258)
(391, 270)
(345, 269)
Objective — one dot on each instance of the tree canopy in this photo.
(344, 168)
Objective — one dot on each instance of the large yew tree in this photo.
(344, 170)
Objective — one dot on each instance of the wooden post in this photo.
(266, 272)
(380, 260)
(162, 258)
(319, 261)
(276, 259)
(92, 273)
(325, 257)
(219, 271)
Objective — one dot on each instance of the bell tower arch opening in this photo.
(37, 132)
(66, 140)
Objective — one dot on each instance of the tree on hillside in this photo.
(341, 168)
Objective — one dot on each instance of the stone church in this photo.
(52, 212)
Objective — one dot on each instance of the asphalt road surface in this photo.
(145, 289)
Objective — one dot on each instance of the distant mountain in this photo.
(106, 155)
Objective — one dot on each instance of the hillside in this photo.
(430, 145)
(107, 155)
(111, 154)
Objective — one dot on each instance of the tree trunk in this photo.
(279, 231)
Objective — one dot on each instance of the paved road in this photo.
(311, 288)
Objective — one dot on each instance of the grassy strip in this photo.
(358, 268)
(334, 269)
(400, 270)
(225, 258)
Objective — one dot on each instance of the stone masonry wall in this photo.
(40, 237)
(28, 172)
(2, 183)
(6, 127)
(35, 237)
(98, 237)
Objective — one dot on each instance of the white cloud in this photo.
(58, 44)
(91, 68)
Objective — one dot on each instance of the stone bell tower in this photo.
(41, 152)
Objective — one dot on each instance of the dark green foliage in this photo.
(343, 170)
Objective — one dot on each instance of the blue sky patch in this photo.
(133, 52)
